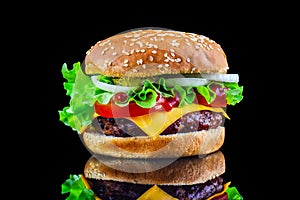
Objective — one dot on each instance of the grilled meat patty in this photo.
(113, 190)
(194, 121)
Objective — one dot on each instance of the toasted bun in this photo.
(164, 146)
(183, 171)
(141, 53)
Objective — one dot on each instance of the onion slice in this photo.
(186, 81)
(109, 87)
(222, 77)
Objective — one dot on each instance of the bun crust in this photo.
(164, 146)
(150, 52)
(183, 171)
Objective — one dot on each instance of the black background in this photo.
(53, 35)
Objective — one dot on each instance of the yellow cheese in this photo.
(155, 193)
(220, 193)
(154, 123)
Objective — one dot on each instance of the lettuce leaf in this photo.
(76, 188)
(233, 194)
(83, 94)
(235, 93)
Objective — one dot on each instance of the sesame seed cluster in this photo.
(142, 53)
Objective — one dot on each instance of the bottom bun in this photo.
(164, 146)
(194, 177)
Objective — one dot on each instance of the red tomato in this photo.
(111, 110)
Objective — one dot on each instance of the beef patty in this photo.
(113, 190)
(194, 121)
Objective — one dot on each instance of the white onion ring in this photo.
(186, 81)
(222, 77)
(109, 87)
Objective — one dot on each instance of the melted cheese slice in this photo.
(155, 193)
(156, 122)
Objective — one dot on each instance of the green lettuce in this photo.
(83, 94)
(233, 194)
(77, 190)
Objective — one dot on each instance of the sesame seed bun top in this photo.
(149, 52)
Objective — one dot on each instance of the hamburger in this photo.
(151, 93)
(194, 177)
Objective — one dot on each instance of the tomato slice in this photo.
(112, 110)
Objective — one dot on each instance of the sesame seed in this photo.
(175, 44)
(104, 43)
(159, 66)
(139, 62)
(144, 66)
(140, 43)
(104, 50)
(134, 70)
(165, 54)
(125, 65)
(188, 60)
(167, 65)
(125, 52)
(154, 51)
(151, 58)
(143, 50)
(114, 53)
(193, 39)
(126, 61)
(178, 60)
(172, 54)
(136, 35)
